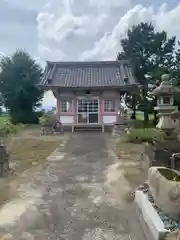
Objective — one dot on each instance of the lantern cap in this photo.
(165, 78)
(166, 88)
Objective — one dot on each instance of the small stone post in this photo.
(4, 159)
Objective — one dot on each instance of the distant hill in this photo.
(47, 108)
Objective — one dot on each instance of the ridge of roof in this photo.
(87, 63)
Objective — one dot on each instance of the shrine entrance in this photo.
(88, 111)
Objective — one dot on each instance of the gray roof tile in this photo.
(88, 74)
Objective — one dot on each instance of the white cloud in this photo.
(49, 99)
(94, 34)
(108, 46)
(91, 30)
(2, 54)
(75, 25)
(26, 4)
(169, 20)
(107, 3)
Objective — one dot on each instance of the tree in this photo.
(132, 100)
(176, 68)
(175, 73)
(151, 54)
(1, 104)
(19, 77)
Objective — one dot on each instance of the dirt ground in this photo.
(129, 155)
(79, 194)
(27, 150)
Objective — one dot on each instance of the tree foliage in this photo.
(176, 68)
(19, 77)
(1, 104)
(151, 54)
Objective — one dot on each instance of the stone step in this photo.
(88, 128)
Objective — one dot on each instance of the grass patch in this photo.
(3, 120)
(27, 150)
(141, 116)
(142, 135)
(140, 124)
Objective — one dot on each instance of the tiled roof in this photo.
(88, 74)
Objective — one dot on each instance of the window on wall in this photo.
(66, 106)
(109, 105)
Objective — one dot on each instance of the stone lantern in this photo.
(176, 119)
(165, 104)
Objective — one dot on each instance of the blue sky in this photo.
(78, 29)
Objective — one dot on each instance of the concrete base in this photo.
(150, 221)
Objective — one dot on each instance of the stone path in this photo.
(69, 198)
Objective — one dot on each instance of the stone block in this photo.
(150, 221)
(164, 185)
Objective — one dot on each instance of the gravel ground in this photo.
(70, 198)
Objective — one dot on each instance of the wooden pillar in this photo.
(101, 108)
(58, 105)
(74, 107)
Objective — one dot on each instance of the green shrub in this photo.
(9, 129)
(24, 118)
(142, 135)
(47, 119)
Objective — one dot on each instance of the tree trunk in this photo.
(145, 106)
(134, 107)
(155, 118)
(155, 113)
